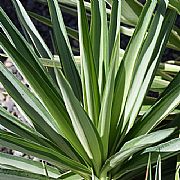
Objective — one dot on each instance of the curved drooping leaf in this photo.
(42, 152)
(28, 165)
(7, 174)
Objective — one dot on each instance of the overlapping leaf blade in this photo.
(21, 45)
(135, 145)
(55, 157)
(42, 85)
(138, 162)
(95, 32)
(156, 113)
(64, 49)
(42, 120)
(88, 66)
(83, 126)
(28, 165)
(107, 99)
(13, 124)
(32, 31)
(7, 174)
(124, 74)
(148, 52)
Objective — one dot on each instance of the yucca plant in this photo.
(94, 120)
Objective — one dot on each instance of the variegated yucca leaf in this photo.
(91, 116)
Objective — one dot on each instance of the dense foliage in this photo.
(91, 116)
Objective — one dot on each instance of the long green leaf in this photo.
(83, 126)
(114, 27)
(64, 49)
(88, 65)
(16, 126)
(95, 32)
(54, 157)
(46, 93)
(130, 13)
(170, 146)
(104, 50)
(28, 165)
(42, 120)
(107, 99)
(124, 74)
(104, 57)
(144, 60)
(135, 145)
(156, 56)
(7, 174)
(31, 29)
(156, 113)
(18, 41)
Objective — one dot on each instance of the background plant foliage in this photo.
(90, 115)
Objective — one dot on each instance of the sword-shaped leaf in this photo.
(114, 27)
(88, 66)
(135, 145)
(64, 48)
(125, 72)
(28, 165)
(16, 126)
(156, 113)
(46, 92)
(158, 28)
(42, 120)
(83, 126)
(107, 99)
(95, 31)
(31, 30)
(42, 152)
